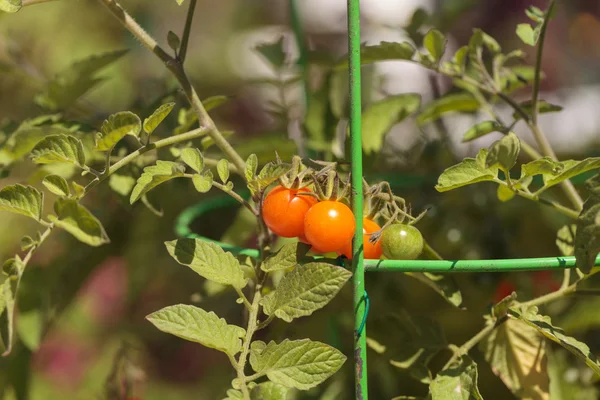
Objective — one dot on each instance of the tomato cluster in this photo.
(329, 226)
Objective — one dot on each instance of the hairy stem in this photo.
(236, 196)
(547, 298)
(26, 3)
(252, 325)
(186, 31)
(177, 69)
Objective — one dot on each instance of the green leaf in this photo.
(565, 239)
(27, 242)
(467, 172)
(442, 284)
(319, 122)
(210, 103)
(416, 340)
(543, 107)
(57, 185)
(562, 384)
(155, 175)
(379, 118)
(543, 325)
(79, 222)
(517, 354)
(543, 166)
(193, 158)
(503, 153)
(30, 328)
(116, 127)
(269, 174)
(572, 168)
(158, 116)
(121, 184)
(481, 129)
(203, 182)
(528, 34)
(179, 2)
(269, 391)
(208, 260)
(458, 102)
(13, 268)
(70, 84)
(59, 148)
(459, 382)
(196, 325)
(78, 190)
(504, 193)
(384, 51)
(251, 167)
(24, 200)
(223, 170)
(435, 43)
(10, 6)
(301, 364)
(233, 394)
(305, 290)
(287, 257)
(460, 58)
(173, 41)
(492, 45)
(273, 53)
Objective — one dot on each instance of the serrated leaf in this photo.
(543, 166)
(269, 174)
(503, 153)
(528, 34)
(196, 325)
(467, 172)
(203, 182)
(481, 129)
(121, 184)
(459, 102)
(565, 239)
(116, 127)
(543, 324)
(65, 88)
(223, 170)
(10, 6)
(384, 51)
(517, 354)
(300, 364)
(305, 290)
(273, 53)
(193, 158)
(379, 118)
(435, 43)
(459, 382)
(288, 256)
(251, 167)
(24, 200)
(158, 116)
(208, 260)
(572, 168)
(155, 175)
(416, 340)
(59, 148)
(79, 222)
(57, 184)
(269, 391)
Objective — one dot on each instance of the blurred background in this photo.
(81, 328)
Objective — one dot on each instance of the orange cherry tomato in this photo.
(329, 225)
(371, 251)
(283, 210)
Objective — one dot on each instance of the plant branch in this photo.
(244, 299)
(252, 324)
(176, 68)
(26, 3)
(538, 65)
(265, 323)
(186, 31)
(235, 196)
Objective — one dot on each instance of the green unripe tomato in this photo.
(401, 242)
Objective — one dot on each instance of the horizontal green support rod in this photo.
(513, 264)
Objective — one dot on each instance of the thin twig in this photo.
(186, 31)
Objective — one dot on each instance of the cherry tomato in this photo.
(283, 210)
(371, 251)
(329, 225)
(401, 242)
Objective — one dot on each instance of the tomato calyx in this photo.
(297, 176)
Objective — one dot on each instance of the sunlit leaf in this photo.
(300, 364)
(288, 256)
(223, 170)
(57, 184)
(116, 127)
(208, 260)
(193, 158)
(196, 325)
(158, 116)
(481, 129)
(59, 149)
(458, 382)
(503, 153)
(79, 222)
(458, 102)
(155, 175)
(10, 6)
(203, 182)
(24, 200)
(435, 43)
(251, 167)
(543, 107)
(467, 172)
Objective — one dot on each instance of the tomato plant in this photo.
(329, 225)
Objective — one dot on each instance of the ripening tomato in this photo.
(401, 242)
(371, 251)
(283, 210)
(329, 225)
